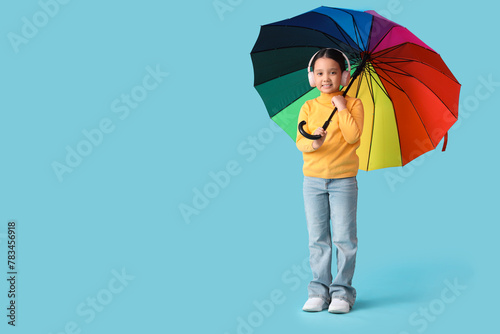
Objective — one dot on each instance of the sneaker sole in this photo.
(338, 311)
(314, 310)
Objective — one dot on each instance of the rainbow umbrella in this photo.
(410, 96)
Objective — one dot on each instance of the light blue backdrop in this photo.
(116, 116)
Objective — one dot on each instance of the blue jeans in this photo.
(335, 200)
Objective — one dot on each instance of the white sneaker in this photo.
(315, 304)
(339, 306)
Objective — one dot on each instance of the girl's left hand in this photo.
(339, 102)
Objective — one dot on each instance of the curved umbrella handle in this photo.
(305, 134)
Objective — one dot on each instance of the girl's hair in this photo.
(332, 54)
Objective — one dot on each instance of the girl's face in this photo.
(327, 75)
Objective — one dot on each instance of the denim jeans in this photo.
(335, 200)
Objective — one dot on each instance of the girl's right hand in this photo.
(318, 142)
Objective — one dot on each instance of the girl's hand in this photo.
(339, 102)
(318, 142)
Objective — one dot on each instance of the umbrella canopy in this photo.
(410, 96)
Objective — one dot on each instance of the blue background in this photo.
(236, 264)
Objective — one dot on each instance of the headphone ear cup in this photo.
(311, 79)
(346, 77)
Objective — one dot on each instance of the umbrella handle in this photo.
(314, 137)
(305, 134)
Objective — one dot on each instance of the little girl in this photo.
(330, 186)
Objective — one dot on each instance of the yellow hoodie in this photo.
(337, 157)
